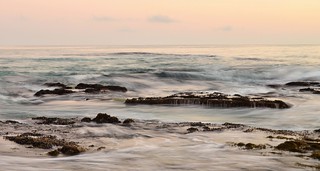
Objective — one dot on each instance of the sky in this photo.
(159, 22)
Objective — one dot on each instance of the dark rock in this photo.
(54, 121)
(57, 85)
(95, 88)
(105, 118)
(251, 146)
(128, 121)
(302, 83)
(47, 142)
(317, 131)
(54, 153)
(71, 149)
(101, 148)
(210, 100)
(206, 128)
(232, 125)
(197, 124)
(307, 90)
(276, 86)
(11, 122)
(192, 129)
(315, 155)
(60, 91)
(293, 146)
(86, 119)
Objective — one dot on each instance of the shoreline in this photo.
(96, 138)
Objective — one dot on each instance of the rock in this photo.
(250, 146)
(105, 118)
(57, 85)
(54, 153)
(54, 121)
(293, 146)
(60, 91)
(307, 90)
(302, 83)
(71, 150)
(11, 122)
(86, 119)
(47, 142)
(192, 129)
(101, 148)
(128, 121)
(276, 86)
(96, 88)
(210, 100)
(197, 124)
(315, 155)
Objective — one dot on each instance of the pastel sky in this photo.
(143, 22)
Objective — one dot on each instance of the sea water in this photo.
(148, 71)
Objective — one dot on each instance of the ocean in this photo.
(154, 71)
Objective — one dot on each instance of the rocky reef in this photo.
(87, 88)
(211, 100)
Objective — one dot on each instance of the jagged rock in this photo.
(60, 91)
(95, 88)
(105, 118)
(210, 100)
(54, 121)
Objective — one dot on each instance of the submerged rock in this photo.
(86, 119)
(192, 129)
(71, 149)
(251, 146)
(210, 100)
(59, 91)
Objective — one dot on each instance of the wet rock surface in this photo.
(102, 118)
(58, 91)
(54, 121)
(47, 142)
(210, 100)
(83, 87)
(91, 88)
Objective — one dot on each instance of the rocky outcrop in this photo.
(57, 84)
(87, 88)
(210, 100)
(54, 121)
(58, 91)
(47, 142)
(95, 88)
(102, 118)
(302, 83)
